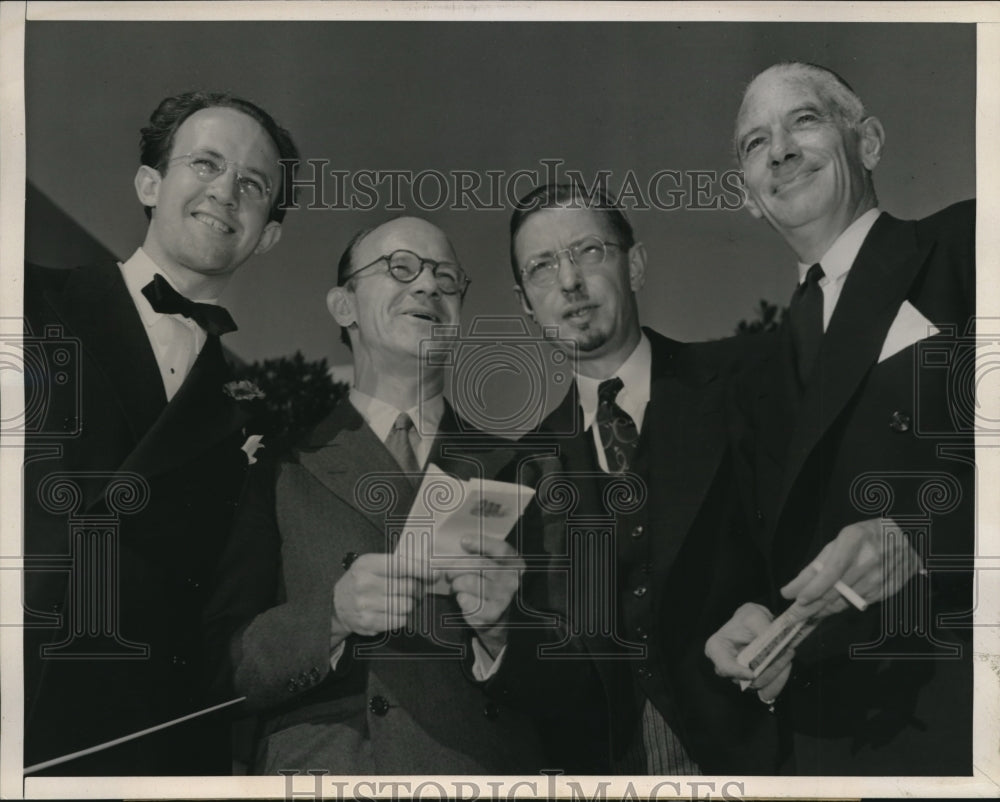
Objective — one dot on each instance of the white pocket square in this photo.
(908, 328)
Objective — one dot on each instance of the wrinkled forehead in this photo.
(777, 91)
(408, 233)
(560, 226)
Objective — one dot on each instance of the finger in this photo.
(781, 664)
(722, 652)
(469, 583)
(489, 547)
(772, 689)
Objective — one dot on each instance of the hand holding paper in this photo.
(377, 593)
(746, 632)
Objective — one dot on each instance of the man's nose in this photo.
(570, 277)
(425, 282)
(783, 147)
(223, 187)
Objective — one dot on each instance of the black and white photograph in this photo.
(515, 400)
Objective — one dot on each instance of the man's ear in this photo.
(637, 266)
(268, 238)
(147, 185)
(871, 140)
(525, 303)
(340, 302)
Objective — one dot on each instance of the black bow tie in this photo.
(167, 301)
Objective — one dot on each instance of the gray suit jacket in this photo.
(404, 702)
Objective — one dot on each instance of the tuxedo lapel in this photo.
(877, 284)
(342, 451)
(197, 417)
(97, 307)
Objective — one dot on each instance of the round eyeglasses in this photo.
(543, 269)
(209, 166)
(405, 266)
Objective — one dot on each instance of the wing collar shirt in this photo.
(176, 340)
(837, 261)
(635, 374)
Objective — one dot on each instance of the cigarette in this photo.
(844, 590)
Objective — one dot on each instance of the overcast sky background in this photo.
(639, 97)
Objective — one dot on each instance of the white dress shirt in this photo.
(380, 417)
(635, 374)
(176, 340)
(837, 261)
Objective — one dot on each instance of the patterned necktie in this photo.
(805, 315)
(167, 301)
(619, 435)
(399, 445)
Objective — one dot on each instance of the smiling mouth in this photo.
(798, 178)
(421, 314)
(213, 223)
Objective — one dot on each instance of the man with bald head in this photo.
(855, 446)
(359, 667)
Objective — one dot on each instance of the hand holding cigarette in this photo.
(868, 561)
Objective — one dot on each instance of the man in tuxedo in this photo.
(640, 444)
(361, 660)
(133, 474)
(854, 437)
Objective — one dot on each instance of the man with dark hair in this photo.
(645, 416)
(126, 516)
(855, 445)
(357, 665)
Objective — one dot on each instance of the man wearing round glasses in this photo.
(147, 412)
(365, 669)
(646, 410)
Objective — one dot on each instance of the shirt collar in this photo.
(841, 255)
(138, 271)
(635, 375)
(380, 416)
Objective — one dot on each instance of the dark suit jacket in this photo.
(693, 569)
(871, 438)
(142, 493)
(402, 703)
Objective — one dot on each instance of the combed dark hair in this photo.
(157, 139)
(568, 196)
(344, 265)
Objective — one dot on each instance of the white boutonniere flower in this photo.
(250, 447)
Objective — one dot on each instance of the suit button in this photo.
(379, 705)
(899, 421)
(760, 515)
(637, 532)
(647, 568)
(349, 559)
(57, 607)
(178, 661)
(644, 673)
(191, 583)
(314, 674)
(293, 685)
(491, 710)
(641, 632)
(639, 592)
